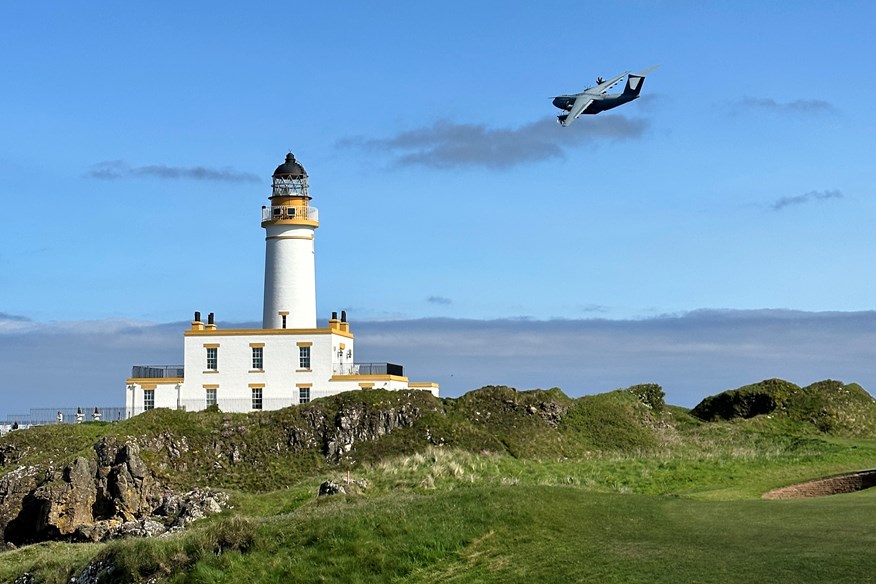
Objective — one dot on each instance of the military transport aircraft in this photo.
(597, 99)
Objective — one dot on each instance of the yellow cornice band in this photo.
(368, 378)
(153, 380)
(256, 332)
(290, 222)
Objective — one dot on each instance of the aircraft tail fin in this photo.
(636, 80)
(634, 84)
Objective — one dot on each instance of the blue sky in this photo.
(137, 143)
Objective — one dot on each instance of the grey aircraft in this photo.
(597, 99)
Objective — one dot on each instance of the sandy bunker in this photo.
(835, 485)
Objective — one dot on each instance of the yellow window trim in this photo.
(205, 386)
(256, 385)
(303, 385)
(304, 344)
(211, 345)
(256, 345)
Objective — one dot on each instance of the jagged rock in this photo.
(94, 499)
(94, 572)
(197, 504)
(14, 487)
(9, 454)
(328, 488)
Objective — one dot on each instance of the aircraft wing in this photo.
(603, 87)
(581, 103)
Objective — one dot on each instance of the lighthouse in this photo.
(289, 361)
(290, 226)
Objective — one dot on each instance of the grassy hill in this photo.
(498, 485)
(829, 406)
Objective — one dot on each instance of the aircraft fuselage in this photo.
(600, 104)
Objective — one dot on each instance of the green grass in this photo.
(524, 534)
(493, 487)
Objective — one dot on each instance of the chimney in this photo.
(211, 325)
(197, 325)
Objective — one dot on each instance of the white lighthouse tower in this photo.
(290, 225)
(289, 361)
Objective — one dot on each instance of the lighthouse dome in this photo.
(291, 168)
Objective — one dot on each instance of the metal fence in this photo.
(368, 369)
(157, 371)
(68, 415)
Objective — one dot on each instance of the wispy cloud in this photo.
(119, 169)
(692, 355)
(439, 300)
(783, 202)
(13, 322)
(798, 106)
(4, 316)
(447, 144)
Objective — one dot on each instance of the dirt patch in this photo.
(835, 485)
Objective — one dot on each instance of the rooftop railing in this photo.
(368, 369)
(275, 213)
(157, 371)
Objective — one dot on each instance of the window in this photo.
(304, 357)
(148, 399)
(303, 395)
(256, 398)
(283, 316)
(211, 396)
(257, 360)
(212, 358)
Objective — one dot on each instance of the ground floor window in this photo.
(211, 397)
(148, 399)
(256, 398)
(303, 395)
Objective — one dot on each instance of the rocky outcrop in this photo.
(336, 434)
(113, 494)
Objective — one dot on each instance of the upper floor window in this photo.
(148, 399)
(212, 358)
(257, 358)
(304, 357)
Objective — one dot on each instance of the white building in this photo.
(287, 361)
